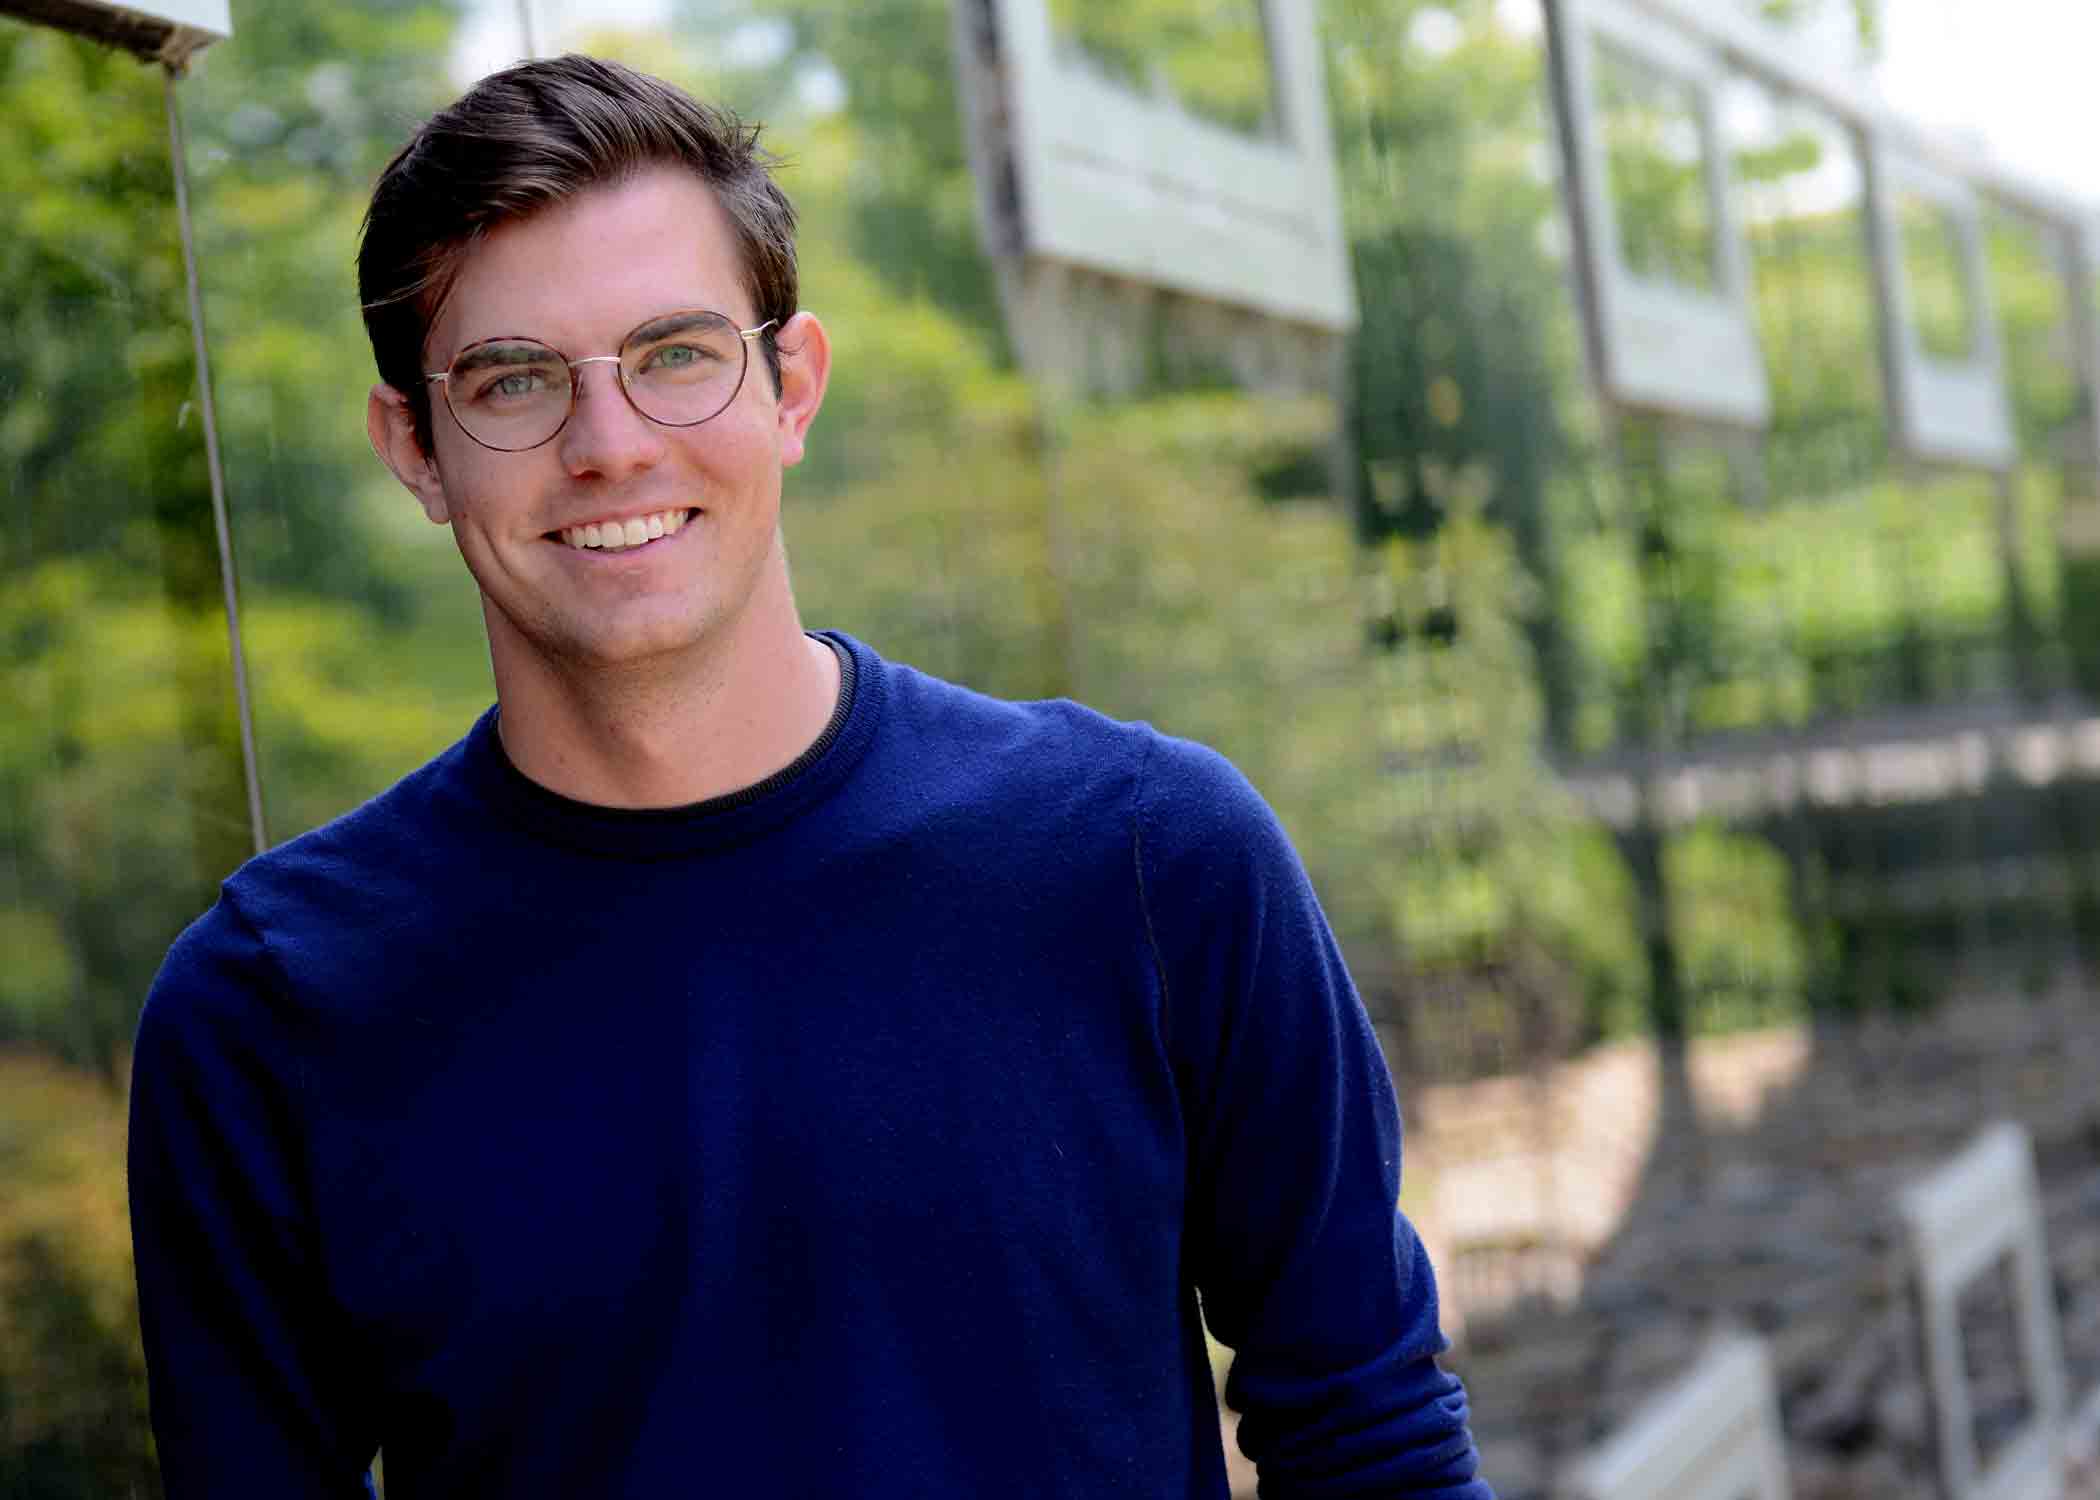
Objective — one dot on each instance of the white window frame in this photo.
(1656, 345)
(1118, 182)
(1940, 410)
(1962, 1218)
(1713, 1435)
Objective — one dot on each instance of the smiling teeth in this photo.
(612, 536)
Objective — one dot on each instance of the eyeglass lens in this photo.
(679, 369)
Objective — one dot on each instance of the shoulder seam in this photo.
(276, 976)
(1137, 860)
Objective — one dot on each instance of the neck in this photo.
(668, 734)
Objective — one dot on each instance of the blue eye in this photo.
(672, 359)
(513, 386)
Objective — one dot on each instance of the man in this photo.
(743, 1065)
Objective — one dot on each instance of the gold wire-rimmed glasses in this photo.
(678, 369)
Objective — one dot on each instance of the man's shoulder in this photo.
(1052, 748)
(1060, 753)
(373, 858)
(336, 889)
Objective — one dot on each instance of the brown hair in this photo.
(534, 135)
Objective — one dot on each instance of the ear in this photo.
(392, 428)
(805, 367)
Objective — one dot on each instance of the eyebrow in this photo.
(678, 322)
(501, 352)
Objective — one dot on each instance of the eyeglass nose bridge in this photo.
(576, 388)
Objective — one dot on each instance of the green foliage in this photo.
(120, 751)
(72, 1380)
(1940, 308)
(1209, 56)
(1494, 877)
(1793, 154)
(2030, 284)
(1724, 617)
(1732, 907)
(1512, 916)
(116, 801)
(1453, 381)
(1655, 169)
(1815, 307)
(98, 438)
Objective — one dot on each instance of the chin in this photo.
(632, 647)
(573, 640)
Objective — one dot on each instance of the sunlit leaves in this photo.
(1210, 57)
(72, 1381)
(1655, 170)
(1935, 278)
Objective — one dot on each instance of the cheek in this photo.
(761, 445)
(472, 492)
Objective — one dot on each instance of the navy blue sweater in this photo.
(872, 1132)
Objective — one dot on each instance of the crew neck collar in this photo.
(649, 833)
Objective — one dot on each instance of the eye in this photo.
(512, 385)
(674, 357)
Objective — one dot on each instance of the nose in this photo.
(605, 436)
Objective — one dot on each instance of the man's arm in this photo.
(253, 1392)
(1307, 1269)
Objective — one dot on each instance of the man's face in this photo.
(579, 277)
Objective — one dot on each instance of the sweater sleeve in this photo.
(249, 1389)
(1305, 1266)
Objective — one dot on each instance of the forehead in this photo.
(586, 270)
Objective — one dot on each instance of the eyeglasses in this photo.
(679, 370)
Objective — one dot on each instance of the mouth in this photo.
(623, 535)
